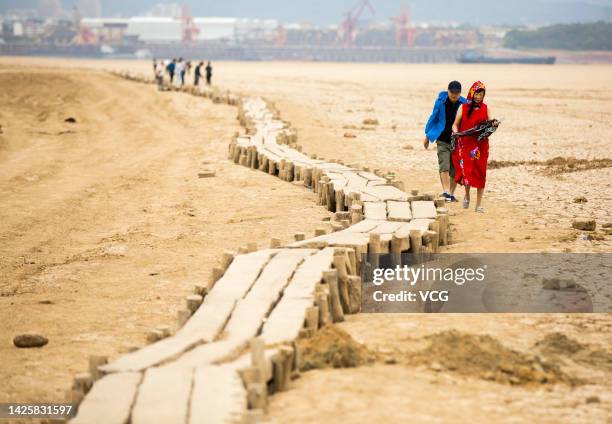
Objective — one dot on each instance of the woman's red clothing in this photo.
(470, 156)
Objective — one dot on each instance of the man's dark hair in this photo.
(454, 86)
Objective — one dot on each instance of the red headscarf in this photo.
(478, 85)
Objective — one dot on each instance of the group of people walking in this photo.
(462, 159)
(178, 69)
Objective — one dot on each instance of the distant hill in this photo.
(592, 36)
(325, 12)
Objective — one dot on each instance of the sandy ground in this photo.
(105, 225)
(394, 390)
(547, 112)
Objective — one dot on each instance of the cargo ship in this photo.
(474, 56)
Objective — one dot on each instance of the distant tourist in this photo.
(208, 73)
(171, 68)
(159, 75)
(438, 130)
(472, 153)
(180, 70)
(197, 73)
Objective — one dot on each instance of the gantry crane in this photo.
(404, 31)
(189, 30)
(349, 25)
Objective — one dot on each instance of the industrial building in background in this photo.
(171, 30)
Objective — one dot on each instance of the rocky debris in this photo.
(30, 340)
(561, 165)
(555, 166)
(558, 345)
(70, 120)
(349, 135)
(597, 236)
(580, 199)
(206, 174)
(408, 147)
(332, 347)
(584, 224)
(370, 121)
(436, 366)
(593, 399)
(483, 356)
(558, 283)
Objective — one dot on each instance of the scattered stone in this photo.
(370, 121)
(153, 336)
(70, 120)
(408, 147)
(206, 174)
(606, 225)
(592, 399)
(558, 283)
(30, 340)
(349, 135)
(596, 236)
(45, 302)
(580, 199)
(511, 240)
(435, 366)
(584, 224)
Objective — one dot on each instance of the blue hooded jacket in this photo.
(437, 121)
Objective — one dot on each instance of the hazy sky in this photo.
(326, 12)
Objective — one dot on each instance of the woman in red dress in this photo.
(470, 156)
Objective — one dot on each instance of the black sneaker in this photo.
(453, 198)
(446, 196)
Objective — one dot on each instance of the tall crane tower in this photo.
(404, 31)
(189, 30)
(349, 26)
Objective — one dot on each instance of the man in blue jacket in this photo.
(438, 130)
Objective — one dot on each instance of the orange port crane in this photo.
(404, 31)
(349, 26)
(189, 29)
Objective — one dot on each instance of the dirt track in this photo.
(157, 195)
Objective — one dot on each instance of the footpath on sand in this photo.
(237, 343)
